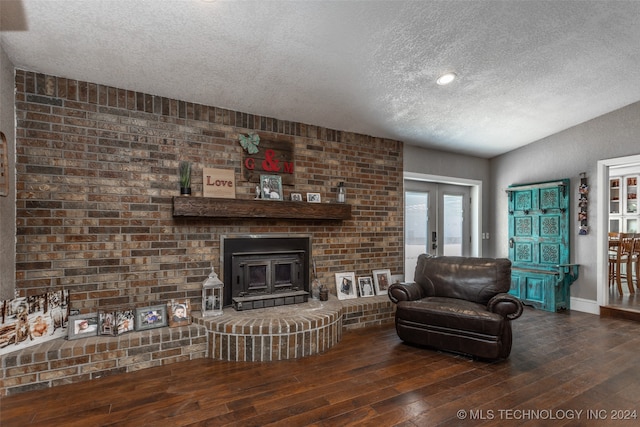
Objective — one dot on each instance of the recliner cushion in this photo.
(451, 314)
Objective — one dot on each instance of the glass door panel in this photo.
(416, 229)
(452, 232)
(436, 222)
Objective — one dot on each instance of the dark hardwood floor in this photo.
(562, 367)
(626, 306)
(626, 300)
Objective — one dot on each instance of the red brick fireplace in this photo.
(97, 174)
(97, 171)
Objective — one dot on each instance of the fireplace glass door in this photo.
(267, 273)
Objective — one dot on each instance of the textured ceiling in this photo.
(527, 69)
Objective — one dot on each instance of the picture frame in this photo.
(125, 321)
(271, 187)
(365, 286)
(151, 317)
(82, 326)
(296, 197)
(179, 312)
(313, 198)
(397, 278)
(346, 285)
(107, 323)
(4, 166)
(382, 280)
(28, 321)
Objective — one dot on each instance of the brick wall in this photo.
(58, 362)
(97, 168)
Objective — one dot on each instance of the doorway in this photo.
(605, 169)
(437, 221)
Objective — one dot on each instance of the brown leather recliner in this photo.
(458, 304)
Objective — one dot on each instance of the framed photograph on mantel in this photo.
(313, 197)
(271, 187)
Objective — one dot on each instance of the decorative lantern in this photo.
(212, 298)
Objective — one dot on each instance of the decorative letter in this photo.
(270, 164)
(249, 163)
(288, 167)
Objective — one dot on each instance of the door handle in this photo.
(511, 242)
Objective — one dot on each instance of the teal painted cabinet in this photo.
(539, 244)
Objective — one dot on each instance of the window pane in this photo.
(452, 233)
(416, 230)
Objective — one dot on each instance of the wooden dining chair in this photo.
(613, 241)
(622, 255)
(633, 261)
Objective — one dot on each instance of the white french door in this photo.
(437, 221)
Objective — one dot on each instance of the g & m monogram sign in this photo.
(272, 158)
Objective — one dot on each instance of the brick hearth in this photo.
(274, 334)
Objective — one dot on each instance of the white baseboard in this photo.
(585, 305)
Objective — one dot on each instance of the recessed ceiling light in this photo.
(446, 78)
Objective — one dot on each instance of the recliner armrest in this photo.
(406, 291)
(506, 305)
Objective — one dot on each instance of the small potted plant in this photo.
(185, 178)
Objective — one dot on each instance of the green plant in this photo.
(185, 174)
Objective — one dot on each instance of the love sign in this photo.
(218, 183)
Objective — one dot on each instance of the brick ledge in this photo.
(60, 361)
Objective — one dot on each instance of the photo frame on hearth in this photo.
(365, 286)
(125, 321)
(271, 187)
(179, 312)
(151, 317)
(4, 166)
(296, 197)
(382, 280)
(107, 323)
(346, 285)
(28, 321)
(82, 326)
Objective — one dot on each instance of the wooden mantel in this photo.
(208, 207)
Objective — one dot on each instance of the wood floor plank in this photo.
(559, 362)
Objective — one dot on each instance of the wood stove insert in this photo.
(265, 270)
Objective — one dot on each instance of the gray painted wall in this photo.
(7, 204)
(441, 163)
(565, 155)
